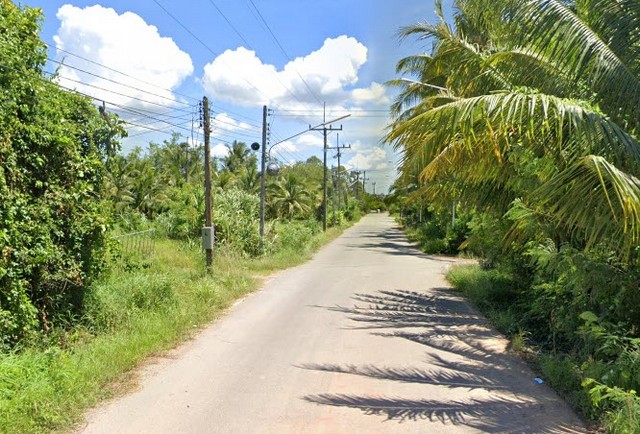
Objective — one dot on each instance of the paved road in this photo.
(365, 338)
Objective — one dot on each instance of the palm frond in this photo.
(552, 30)
(617, 23)
(595, 198)
(528, 116)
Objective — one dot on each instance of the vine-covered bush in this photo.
(53, 145)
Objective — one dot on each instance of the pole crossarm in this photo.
(314, 128)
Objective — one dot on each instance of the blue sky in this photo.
(152, 66)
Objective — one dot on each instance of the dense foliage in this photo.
(63, 185)
(53, 148)
(524, 114)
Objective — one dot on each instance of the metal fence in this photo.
(137, 244)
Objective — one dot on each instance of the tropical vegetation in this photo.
(522, 119)
(100, 261)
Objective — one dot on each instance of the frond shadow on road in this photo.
(393, 241)
(458, 343)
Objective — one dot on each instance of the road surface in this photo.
(364, 338)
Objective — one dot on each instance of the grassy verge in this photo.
(569, 371)
(130, 315)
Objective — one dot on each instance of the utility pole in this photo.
(263, 175)
(324, 130)
(338, 148)
(356, 184)
(208, 231)
(364, 181)
(333, 196)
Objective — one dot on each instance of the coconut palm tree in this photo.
(238, 158)
(529, 104)
(249, 179)
(289, 198)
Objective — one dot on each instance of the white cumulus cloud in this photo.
(374, 94)
(227, 123)
(124, 43)
(239, 76)
(220, 150)
(368, 158)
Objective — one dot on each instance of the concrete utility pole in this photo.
(338, 148)
(263, 175)
(364, 181)
(208, 231)
(324, 130)
(356, 184)
(333, 196)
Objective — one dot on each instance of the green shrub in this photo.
(185, 217)
(352, 212)
(435, 233)
(236, 216)
(295, 235)
(335, 218)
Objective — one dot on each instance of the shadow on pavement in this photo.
(393, 241)
(462, 352)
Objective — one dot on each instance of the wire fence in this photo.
(140, 245)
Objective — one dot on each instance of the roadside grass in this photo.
(288, 257)
(132, 313)
(492, 292)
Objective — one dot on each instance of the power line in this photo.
(231, 25)
(354, 116)
(250, 128)
(78, 92)
(226, 111)
(249, 46)
(119, 72)
(284, 51)
(138, 112)
(117, 82)
(116, 105)
(183, 118)
(203, 44)
(158, 120)
(147, 127)
(112, 91)
(185, 27)
(150, 130)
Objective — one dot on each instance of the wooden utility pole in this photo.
(263, 175)
(206, 117)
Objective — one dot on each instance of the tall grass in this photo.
(131, 313)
